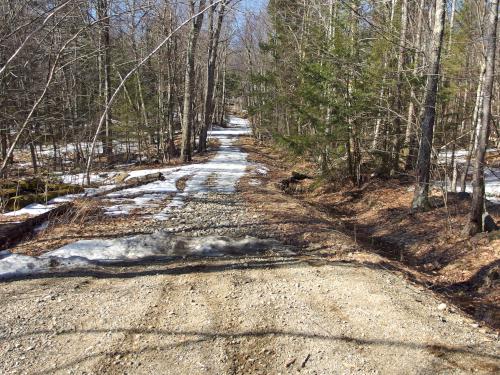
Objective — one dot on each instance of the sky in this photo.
(253, 4)
(245, 6)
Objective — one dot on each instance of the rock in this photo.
(121, 177)
(442, 306)
(489, 224)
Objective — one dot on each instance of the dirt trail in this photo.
(270, 313)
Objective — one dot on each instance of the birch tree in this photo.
(478, 213)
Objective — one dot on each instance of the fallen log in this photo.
(13, 233)
(297, 176)
(133, 182)
(142, 180)
(18, 193)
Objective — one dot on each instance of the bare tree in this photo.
(187, 112)
(397, 140)
(103, 10)
(477, 216)
(421, 196)
(213, 46)
(193, 17)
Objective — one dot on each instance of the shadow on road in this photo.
(453, 355)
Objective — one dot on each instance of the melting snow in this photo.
(15, 265)
(31, 209)
(35, 209)
(224, 171)
(160, 245)
(491, 175)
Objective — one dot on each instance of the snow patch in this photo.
(220, 174)
(160, 245)
(491, 175)
(16, 265)
(262, 170)
(33, 209)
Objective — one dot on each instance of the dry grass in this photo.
(84, 211)
(86, 220)
(180, 184)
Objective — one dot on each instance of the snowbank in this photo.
(160, 245)
(16, 265)
(33, 209)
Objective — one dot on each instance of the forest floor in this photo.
(282, 287)
(428, 247)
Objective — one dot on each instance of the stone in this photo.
(442, 306)
(489, 224)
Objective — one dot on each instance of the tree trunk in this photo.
(421, 196)
(105, 61)
(223, 93)
(410, 136)
(187, 116)
(208, 106)
(473, 129)
(379, 122)
(172, 51)
(33, 157)
(4, 133)
(475, 223)
(399, 88)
